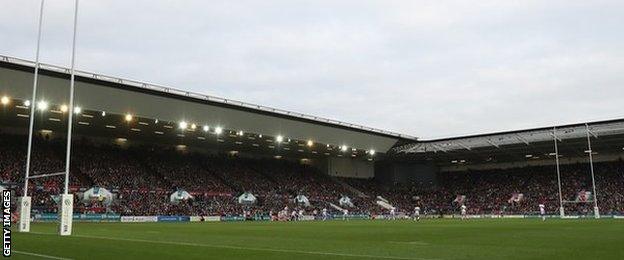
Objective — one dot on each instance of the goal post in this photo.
(66, 202)
(25, 203)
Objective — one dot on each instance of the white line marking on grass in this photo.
(246, 248)
(40, 255)
(418, 243)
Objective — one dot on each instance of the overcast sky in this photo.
(425, 68)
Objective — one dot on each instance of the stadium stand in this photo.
(144, 177)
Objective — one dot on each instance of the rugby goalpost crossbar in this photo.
(591, 167)
(66, 201)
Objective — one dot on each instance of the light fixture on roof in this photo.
(279, 139)
(5, 100)
(218, 130)
(328, 146)
(343, 148)
(371, 151)
(310, 143)
(528, 156)
(183, 125)
(259, 136)
(64, 108)
(241, 133)
(128, 117)
(206, 128)
(103, 113)
(193, 126)
(155, 121)
(42, 105)
(289, 140)
(27, 103)
(77, 110)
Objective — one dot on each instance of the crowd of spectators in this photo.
(143, 178)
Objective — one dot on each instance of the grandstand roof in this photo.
(607, 137)
(118, 96)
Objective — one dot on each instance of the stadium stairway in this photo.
(351, 188)
(222, 179)
(336, 207)
(83, 179)
(146, 165)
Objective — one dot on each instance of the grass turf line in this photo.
(428, 239)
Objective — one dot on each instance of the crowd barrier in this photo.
(50, 217)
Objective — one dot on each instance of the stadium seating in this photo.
(144, 177)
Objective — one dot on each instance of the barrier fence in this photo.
(51, 217)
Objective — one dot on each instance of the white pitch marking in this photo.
(418, 243)
(246, 248)
(40, 255)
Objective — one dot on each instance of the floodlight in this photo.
(193, 126)
(206, 128)
(42, 105)
(241, 133)
(103, 113)
(27, 103)
(64, 108)
(183, 125)
(279, 138)
(128, 117)
(5, 100)
(371, 152)
(310, 143)
(343, 148)
(218, 130)
(77, 110)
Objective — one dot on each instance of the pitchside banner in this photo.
(24, 213)
(174, 218)
(137, 219)
(66, 214)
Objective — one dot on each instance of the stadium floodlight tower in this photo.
(66, 201)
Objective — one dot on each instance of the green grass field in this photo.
(428, 239)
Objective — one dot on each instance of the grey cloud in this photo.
(425, 68)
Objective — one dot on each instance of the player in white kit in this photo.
(392, 214)
(542, 208)
(463, 212)
(344, 214)
(324, 214)
(417, 213)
